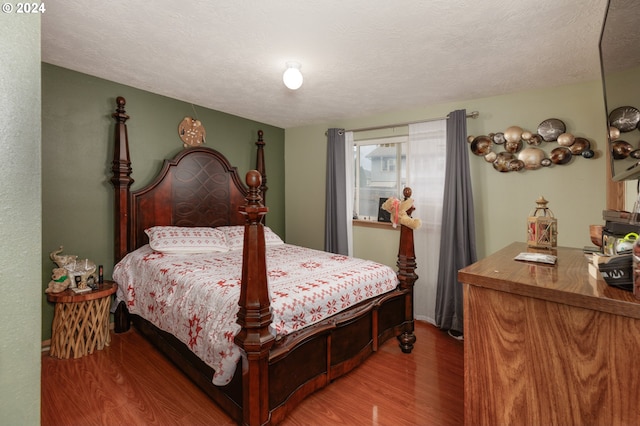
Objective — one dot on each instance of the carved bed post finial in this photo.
(254, 315)
(407, 277)
(121, 179)
(260, 165)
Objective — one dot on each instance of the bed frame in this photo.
(198, 187)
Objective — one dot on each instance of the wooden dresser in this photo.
(548, 344)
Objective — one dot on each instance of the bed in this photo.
(279, 361)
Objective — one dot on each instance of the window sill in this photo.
(374, 224)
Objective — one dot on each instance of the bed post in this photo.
(121, 180)
(254, 315)
(260, 166)
(407, 277)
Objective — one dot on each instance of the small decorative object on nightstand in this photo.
(81, 321)
(542, 227)
(80, 271)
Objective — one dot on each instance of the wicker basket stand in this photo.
(81, 321)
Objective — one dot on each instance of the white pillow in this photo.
(177, 239)
(235, 236)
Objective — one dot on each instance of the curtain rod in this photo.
(473, 114)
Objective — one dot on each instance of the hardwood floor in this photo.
(130, 383)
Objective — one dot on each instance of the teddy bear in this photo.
(398, 210)
(59, 281)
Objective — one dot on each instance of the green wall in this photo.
(20, 218)
(77, 144)
(576, 191)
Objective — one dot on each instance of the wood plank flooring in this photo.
(130, 383)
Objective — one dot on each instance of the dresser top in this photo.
(567, 282)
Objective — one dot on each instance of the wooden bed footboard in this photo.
(275, 373)
(298, 364)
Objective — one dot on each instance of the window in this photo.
(377, 174)
(389, 164)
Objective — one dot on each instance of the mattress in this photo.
(194, 296)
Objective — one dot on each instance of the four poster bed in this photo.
(283, 354)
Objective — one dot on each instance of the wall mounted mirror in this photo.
(620, 63)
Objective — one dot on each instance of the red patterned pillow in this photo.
(235, 236)
(177, 239)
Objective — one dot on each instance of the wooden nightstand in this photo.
(81, 321)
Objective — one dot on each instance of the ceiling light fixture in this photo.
(292, 76)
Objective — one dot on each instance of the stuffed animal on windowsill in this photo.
(398, 210)
(59, 281)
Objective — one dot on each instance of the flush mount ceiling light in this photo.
(292, 76)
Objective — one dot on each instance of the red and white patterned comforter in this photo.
(195, 296)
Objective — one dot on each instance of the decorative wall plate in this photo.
(481, 145)
(532, 157)
(490, 157)
(566, 139)
(560, 155)
(191, 132)
(621, 149)
(511, 146)
(502, 161)
(551, 128)
(498, 138)
(535, 139)
(625, 118)
(579, 146)
(516, 165)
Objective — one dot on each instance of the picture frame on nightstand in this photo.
(383, 215)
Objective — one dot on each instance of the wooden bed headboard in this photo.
(198, 187)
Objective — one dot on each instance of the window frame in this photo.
(399, 141)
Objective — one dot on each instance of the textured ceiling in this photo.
(359, 57)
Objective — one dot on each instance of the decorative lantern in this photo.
(542, 227)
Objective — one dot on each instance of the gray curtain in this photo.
(457, 242)
(335, 229)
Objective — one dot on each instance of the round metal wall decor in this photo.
(535, 139)
(481, 145)
(504, 150)
(560, 155)
(566, 139)
(551, 128)
(513, 134)
(579, 146)
(491, 157)
(624, 118)
(502, 161)
(513, 146)
(621, 149)
(532, 157)
(498, 138)
(516, 165)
